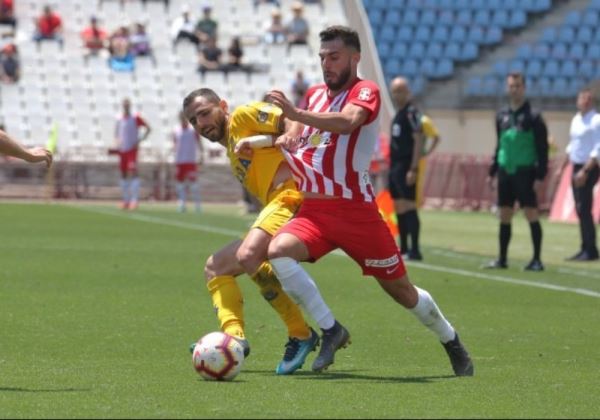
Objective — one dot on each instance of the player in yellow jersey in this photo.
(431, 140)
(267, 176)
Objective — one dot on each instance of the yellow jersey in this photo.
(255, 173)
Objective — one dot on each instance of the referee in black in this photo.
(520, 163)
(406, 145)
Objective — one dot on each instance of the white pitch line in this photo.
(424, 266)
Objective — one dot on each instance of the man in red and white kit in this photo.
(187, 143)
(329, 148)
(127, 137)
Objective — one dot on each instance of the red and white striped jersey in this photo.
(338, 164)
(186, 144)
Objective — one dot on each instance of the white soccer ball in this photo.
(218, 357)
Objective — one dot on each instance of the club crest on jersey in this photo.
(262, 116)
(364, 94)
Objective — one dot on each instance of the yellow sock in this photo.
(229, 304)
(289, 312)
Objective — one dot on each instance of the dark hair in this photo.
(206, 93)
(516, 75)
(348, 36)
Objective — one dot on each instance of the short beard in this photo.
(343, 79)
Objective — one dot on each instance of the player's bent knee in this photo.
(249, 259)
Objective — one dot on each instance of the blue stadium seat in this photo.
(573, 18)
(528, 5)
(416, 50)
(387, 33)
(541, 51)
(516, 65)
(375, 18)
(411, 17)
(405, 33)
(399, 50)
(577, 51)
(593, 51)
(576, 84)
(458, 34)
(493, 35)
(551, 69)
(559, 51)
(428, 18)
(428, 68)
(417, 85)
(524, 51)
(394, 4)
(490, 86)
(447, 4)
(410, 68)
(392, 67)
(384, 49)
(566, 34)
(495, 4)
(586, 69)
(470, 51)
(441, 34)
(533, 67)
(541, 5)
(500, 68)
(517, 19)
(380, 4)
(590, 18)
(568, 69)
(434, 50)
(549, 35)
(452, 50)
(585, 35)
(414, 4)
(392, 17)
(422, 34)
(461, 4)
(482, 17)
(473, 87)
(544, 85)
(500, 18)
(512, 5)
(445, 68)
(464, 17)
(446, 17)
(594, 5)
(431, 4)
(597, 36)
(560, 88)
(476, 35)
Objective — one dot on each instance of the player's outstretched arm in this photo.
(9, 146)
(246, 145)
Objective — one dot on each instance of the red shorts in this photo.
(186, 171)
(128, 161)
(355, 227)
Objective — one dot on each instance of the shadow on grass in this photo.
(356, 375)
(21, 389)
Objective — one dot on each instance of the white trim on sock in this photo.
(302, 289)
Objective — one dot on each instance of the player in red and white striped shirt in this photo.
(187, 146)
(329, 149)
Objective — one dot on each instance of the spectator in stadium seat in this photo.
(297, 29)
(49, 27)
(11, 147)
(184, 27)
(275, 3)
(206, 27)
(235, 54)
(119, 47)
(10, 67)
(140, 42)
(298, 88)
(583, 151)
(275, 31)
(210, 57)
(94, 39)
(406, 148)
(127, 139)
(7, 13)
(520, 163)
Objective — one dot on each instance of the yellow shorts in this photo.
(278, 211)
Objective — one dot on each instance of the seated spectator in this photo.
(10, 68)
(140, 42)
(297, 28)
(275, 31)
(275, 3)
(206, 27)
(94, 39)
(299, 88)
(210, 57)
(7, 13)
(234, 55)
(119, 47)
(49, 27)
(183, 27)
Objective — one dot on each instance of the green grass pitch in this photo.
(98, 308)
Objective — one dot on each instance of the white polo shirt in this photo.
(584, 137)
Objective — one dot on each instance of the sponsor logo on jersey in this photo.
(388, 262)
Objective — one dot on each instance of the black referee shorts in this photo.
(517, 187)
(397, 182)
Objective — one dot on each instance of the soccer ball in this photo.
(218, 357)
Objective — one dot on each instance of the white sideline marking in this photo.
(431, 267)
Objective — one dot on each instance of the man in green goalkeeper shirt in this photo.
(520, 163)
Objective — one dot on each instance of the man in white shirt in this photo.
(186, 144)
(583, 151)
